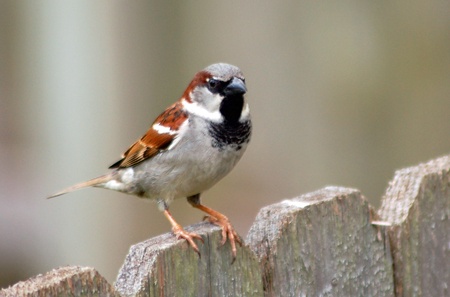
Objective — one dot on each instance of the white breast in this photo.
(189, 168)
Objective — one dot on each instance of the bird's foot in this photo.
(227, 232)
(188, 236)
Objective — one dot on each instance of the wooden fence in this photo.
(327, 243)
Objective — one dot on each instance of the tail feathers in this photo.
(90, 183)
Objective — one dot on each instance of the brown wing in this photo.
(154, 141)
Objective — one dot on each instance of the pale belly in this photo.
(194, 165)
(183, 173)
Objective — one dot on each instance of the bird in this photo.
(189, 147)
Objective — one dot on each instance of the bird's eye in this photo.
(213, 85)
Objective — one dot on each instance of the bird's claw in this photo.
(227, 232)
(189, 237)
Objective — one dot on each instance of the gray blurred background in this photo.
(341, 93)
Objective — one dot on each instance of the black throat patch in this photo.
(231, 107)
(230, 134)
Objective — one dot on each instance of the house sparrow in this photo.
(190, 147)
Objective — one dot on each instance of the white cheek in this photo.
(203, 111)
(213, 103)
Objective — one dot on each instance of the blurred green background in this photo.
(341, 93)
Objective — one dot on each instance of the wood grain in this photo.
(417, 204)
(165, 266)
(322, 244)
(64, 281)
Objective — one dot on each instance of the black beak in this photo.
(235, 87)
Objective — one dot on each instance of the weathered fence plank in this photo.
(417, 204)
(322, 244)
(64, 281)
(165, 266)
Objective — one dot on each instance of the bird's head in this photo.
(217, 93)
